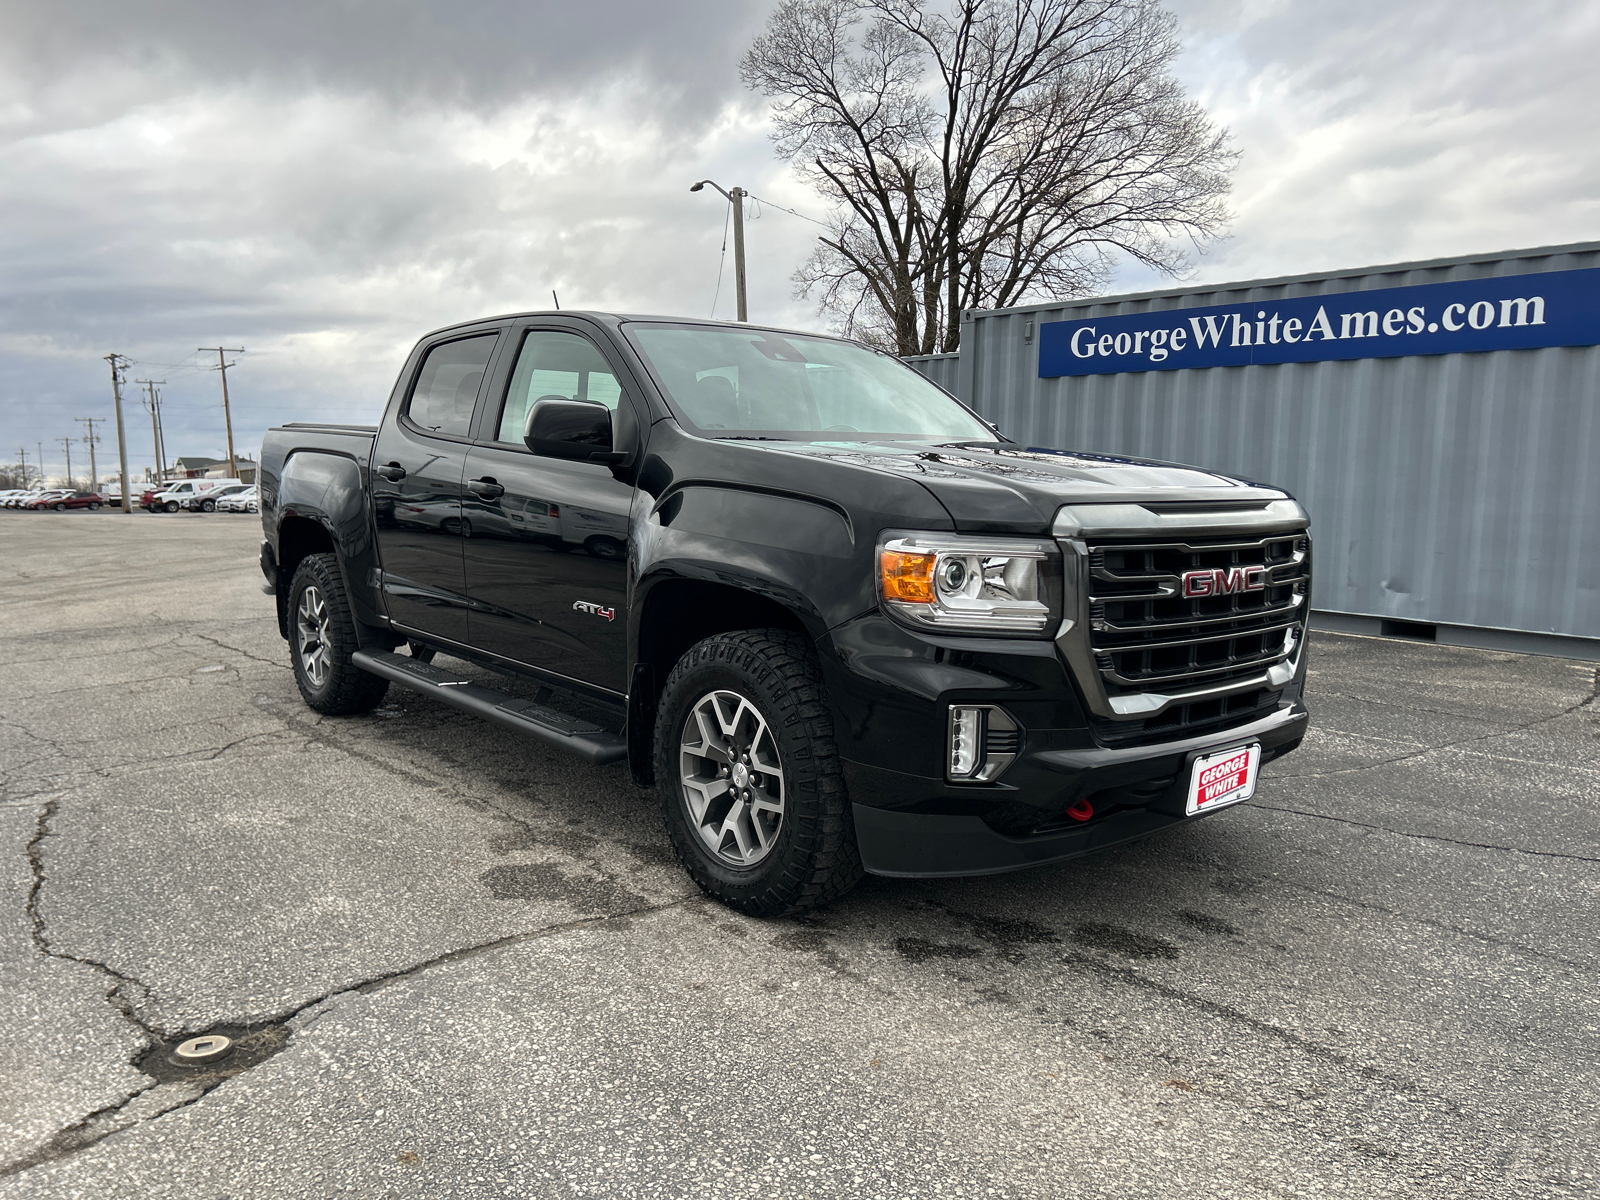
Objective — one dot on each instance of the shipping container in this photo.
(1438, 420)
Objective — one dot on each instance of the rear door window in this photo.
(447, 385)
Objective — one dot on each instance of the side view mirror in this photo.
(579, 430)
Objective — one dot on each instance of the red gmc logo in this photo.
(1223, 581)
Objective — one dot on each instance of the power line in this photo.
(722, 261)
(790, 211)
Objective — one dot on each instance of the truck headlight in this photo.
(974, 584)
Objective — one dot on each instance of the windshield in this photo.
(730, 382)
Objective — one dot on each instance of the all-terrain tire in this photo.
(329, 682)
(814, 858)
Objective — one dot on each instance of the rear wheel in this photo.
(749, 776)
(322, 637)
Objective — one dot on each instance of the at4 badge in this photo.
(595, 610)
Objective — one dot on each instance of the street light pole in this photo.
(735, 198)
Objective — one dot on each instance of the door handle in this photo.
(487, 488)
(393, 472)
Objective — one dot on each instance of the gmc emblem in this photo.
(1223, 581)
(594, 610)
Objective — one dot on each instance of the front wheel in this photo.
(171, 506)
(208, 506)
(94, 506)
(749, 776)
(59, 507)
(322, 637)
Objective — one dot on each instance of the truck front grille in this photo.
(1192, 719)
(1146, 637)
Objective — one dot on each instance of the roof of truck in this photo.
(615, 319)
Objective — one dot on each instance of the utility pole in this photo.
(152, 405)
(66, 444)
(161, 438)
(222, 365)
(89, 440)
(22, 461)
(118, 362)
(735, 198)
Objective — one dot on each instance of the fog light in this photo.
(984, 741)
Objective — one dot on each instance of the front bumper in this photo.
(892, 689)
(1134, 792)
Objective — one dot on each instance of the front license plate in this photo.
(1226, 777)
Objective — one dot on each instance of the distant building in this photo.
(195, 468)
(212, 468)
(247, 470)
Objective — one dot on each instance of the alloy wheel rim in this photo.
(312, 622)
(731, 778)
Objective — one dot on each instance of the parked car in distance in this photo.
(242, 501)
(63, 500)
(24, 498)
(177, 495)
(208, 501)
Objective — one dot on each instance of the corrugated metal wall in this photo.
(941, 368)
(1454, 489)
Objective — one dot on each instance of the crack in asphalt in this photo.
(1427, 837)
(82, 1134)
(1585, 702)
(101, 1124)
(271, 662)
(1009, 933)
(1418, 919)
(1287, 1036)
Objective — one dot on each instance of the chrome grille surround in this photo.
(1136, 646)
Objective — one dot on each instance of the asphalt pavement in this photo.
(458, 964)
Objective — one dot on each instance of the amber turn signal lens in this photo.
(907, 577)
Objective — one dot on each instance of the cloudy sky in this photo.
(321, 181)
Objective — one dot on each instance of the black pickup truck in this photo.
(838, 621)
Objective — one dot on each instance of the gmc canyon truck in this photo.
(835, 619)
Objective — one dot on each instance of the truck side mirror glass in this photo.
(573, 429)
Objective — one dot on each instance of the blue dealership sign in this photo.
(1511, 312)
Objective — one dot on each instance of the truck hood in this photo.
(1007, 488)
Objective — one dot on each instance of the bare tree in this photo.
(984, 152)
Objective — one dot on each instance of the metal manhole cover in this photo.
(204, 1049)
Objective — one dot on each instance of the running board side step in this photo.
(538, 721)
